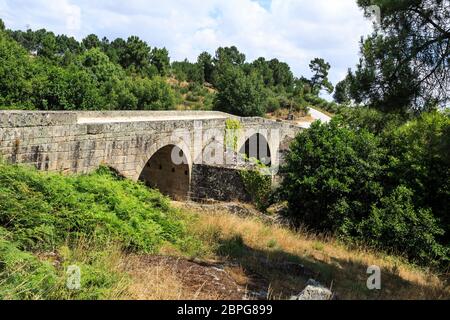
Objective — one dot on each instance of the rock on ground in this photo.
(314, 291)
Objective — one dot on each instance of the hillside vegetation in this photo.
(381, 184)
(111, 228)
(49, 213)
(44, 71)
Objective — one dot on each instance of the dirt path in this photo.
(316, 115)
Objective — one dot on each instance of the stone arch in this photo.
(168, 169)
(257, 146)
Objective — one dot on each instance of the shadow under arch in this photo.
(168, 176)
(258, 148)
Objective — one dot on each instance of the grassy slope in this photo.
(48, 222)
(108, 226)
(263, 249)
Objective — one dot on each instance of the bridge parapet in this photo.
(20, 119)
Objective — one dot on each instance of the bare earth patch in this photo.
(162, 277)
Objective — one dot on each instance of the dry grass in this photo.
(245, 257)
(174, 82)
(100, 264)
(158, 282)
(264, 249)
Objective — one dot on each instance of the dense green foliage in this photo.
(69, 76)
(22, 275)
(331, 174)
(389, 188)
(419, 158)
(253, 89)
(25, 275)
(42, 212)
(41, 70)
(405, 63)
(259, 186)
(240, 94)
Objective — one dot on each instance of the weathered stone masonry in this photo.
(79, 142)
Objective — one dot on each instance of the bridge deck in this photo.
(122, 119)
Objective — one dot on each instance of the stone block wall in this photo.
(217, 183)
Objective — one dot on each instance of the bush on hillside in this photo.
(240, 94)
(348, 182)
(259, 186)
(398, 227)
(42, 211)
(419, 158)
(332, 176)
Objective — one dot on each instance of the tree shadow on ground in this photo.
(284, 274)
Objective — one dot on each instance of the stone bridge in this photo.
(182, 153)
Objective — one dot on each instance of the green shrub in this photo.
(208, 101)
(331, 176)
(419, 158)
(87, 221)
(259, 186)
(43, 210)
(398, 227)
(23, 276)
(153, 94)
(184, 90)
(273, 104)
(302, 109)
(192, 97)
(240, 94)
(388, 191)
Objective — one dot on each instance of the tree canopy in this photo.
(405, 63)
(319, 80)
(240, 94)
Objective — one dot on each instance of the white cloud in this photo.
(60, 16)
(294, 31)
(71, 13)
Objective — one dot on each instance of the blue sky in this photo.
(294, 31)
